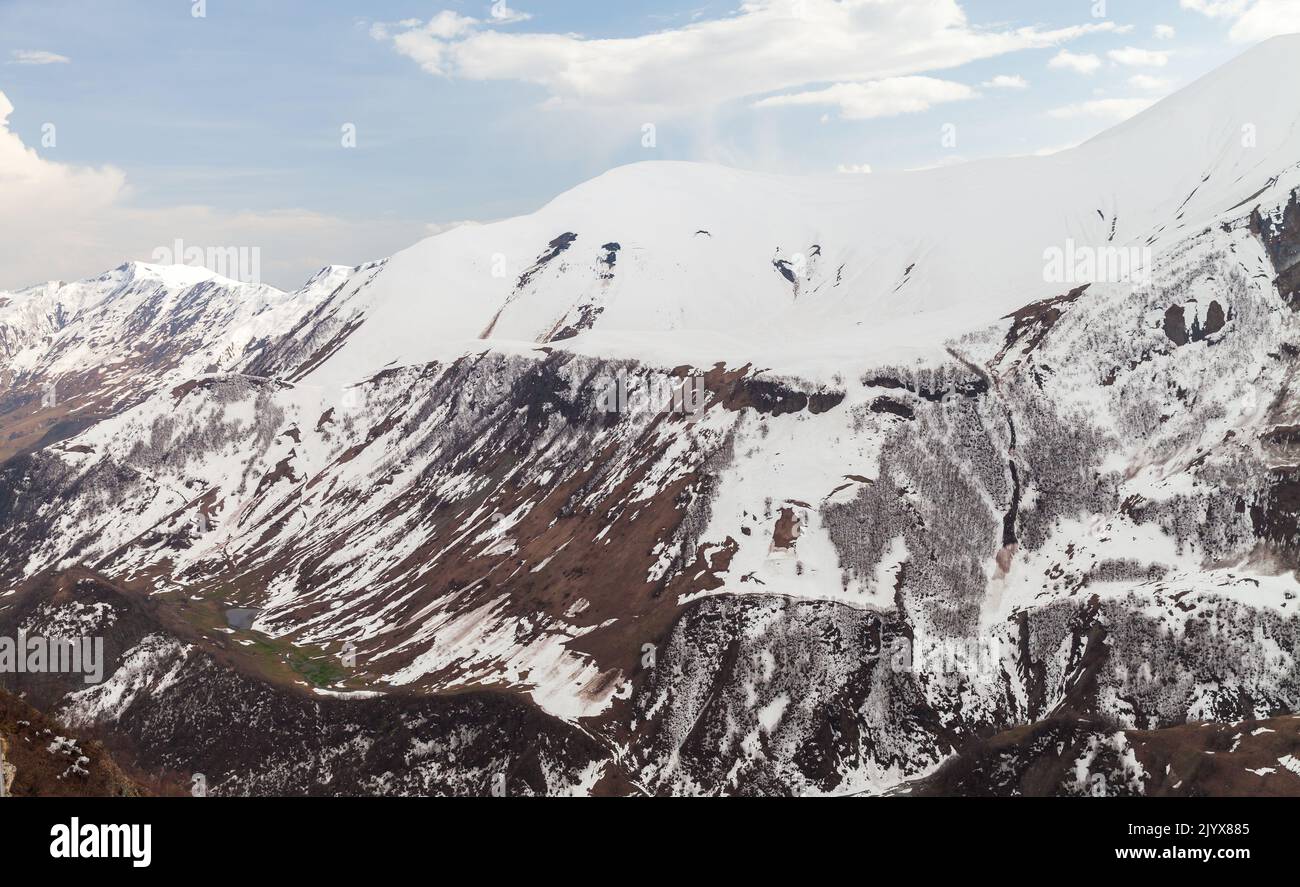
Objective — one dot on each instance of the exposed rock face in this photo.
(1280, 231)
(1176, 325)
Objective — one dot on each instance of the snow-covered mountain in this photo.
(71, 353)
(953, 452)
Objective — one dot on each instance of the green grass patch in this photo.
(317, 670)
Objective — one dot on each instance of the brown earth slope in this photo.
(44, 759)
(1068, 755)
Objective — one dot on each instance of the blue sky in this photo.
(231, 122)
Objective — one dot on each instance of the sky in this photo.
(340, 132)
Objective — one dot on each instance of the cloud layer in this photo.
(878, 98)
(1251, 21)
(768, 46)
(1080, 63)
(37, 57)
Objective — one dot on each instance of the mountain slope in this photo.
(936, 480)
(42, 758)
(681, 263)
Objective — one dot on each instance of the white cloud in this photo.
(37, 57)
(1139, 58)
(854, 169)
(1253, 20)
(502, 14)
(767, 46)
(1267, 18)
(1007, 81)
(1165, 32)
(32, 184)
(1079, 63)
(880, 98)
(426, 43)
(1146, 81)
(1106, 109)
(59, 221)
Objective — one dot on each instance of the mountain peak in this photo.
(328, 276)
(174, 276)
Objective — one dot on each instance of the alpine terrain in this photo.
(977, 480)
